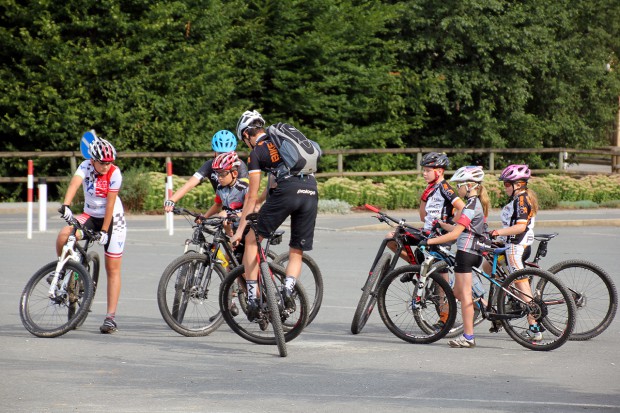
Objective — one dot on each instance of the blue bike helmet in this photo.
(224, 141)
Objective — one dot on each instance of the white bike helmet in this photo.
(468, 174)
(249, 118)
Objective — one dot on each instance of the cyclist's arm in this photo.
(215, 208)
(422, 210)
(250, 202)
(458, 205)
(449, 237)
(516, 229)
(74, 185)
(180, 193)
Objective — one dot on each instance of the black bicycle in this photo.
(59, 296)
(404, 238)
(275, 322)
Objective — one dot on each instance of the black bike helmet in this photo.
(435, 160)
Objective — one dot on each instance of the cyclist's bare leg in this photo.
(63, 235)
(392, 246)
(462, 291)
(293, 268)
(113, 270)
(249, 257)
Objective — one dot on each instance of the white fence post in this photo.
(169, 192)
(42, 205)
(30, 199)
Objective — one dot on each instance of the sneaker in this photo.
(108, 327)
(462, 342)
(234, 310)
(496, 326)
(289, 300)
(438, 326)
(531, 335)
(253, 310)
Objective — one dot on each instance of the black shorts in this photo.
(298, 198)
(465, 261)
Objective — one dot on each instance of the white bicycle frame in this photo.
(68, 253)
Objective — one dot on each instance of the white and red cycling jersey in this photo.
(96, 188)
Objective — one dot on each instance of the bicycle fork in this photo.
(68, 253)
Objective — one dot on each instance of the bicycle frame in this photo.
(72, 250)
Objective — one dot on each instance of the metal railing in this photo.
(612, 153)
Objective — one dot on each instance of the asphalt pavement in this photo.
(146, 367)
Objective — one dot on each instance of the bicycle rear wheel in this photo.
(187, 295)
(369, 296)
(548, 301)
(311, 278)
(233, 297)
(403, 307)
(594, 293)
(51, 317)
(92, 265)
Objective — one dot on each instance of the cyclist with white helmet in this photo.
(469, 227)
(222, 142)
(103, 211)
(231, 192)
(294, 195)
(518, 218)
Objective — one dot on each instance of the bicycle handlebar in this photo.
(90, 234)
(210, 222)
(399, 222)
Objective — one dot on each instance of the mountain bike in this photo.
(272, 311)
(592, 288)
(550, 303)
(593, 291)
(404, 237)
(59, 296)
(185, 284)
(189, 286)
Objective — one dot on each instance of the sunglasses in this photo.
(222, 174)
(104, 163)
(462, 184)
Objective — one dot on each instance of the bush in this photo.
(135, 189)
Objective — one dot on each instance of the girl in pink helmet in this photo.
(518, 218)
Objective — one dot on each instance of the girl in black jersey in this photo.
(518, 218)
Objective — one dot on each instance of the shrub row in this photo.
(143, 191)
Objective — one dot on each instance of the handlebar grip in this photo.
(371, 208)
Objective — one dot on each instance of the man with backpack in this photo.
(294, 194)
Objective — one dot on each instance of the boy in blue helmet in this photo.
(222, 142)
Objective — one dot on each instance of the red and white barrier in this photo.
(30, 199)
(42, 205)
(169, 192)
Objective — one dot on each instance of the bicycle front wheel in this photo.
(405, 305)
(275, 304)
(234, 304)
(187, 295)
(547, 302)
(369, 296)
(46, 316)
(311, 278)
(594, 293)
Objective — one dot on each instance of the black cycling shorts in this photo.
(95, 224)
(298, 198)
(465, 261)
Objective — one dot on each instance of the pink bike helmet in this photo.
(514, 173)
(226, 161)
